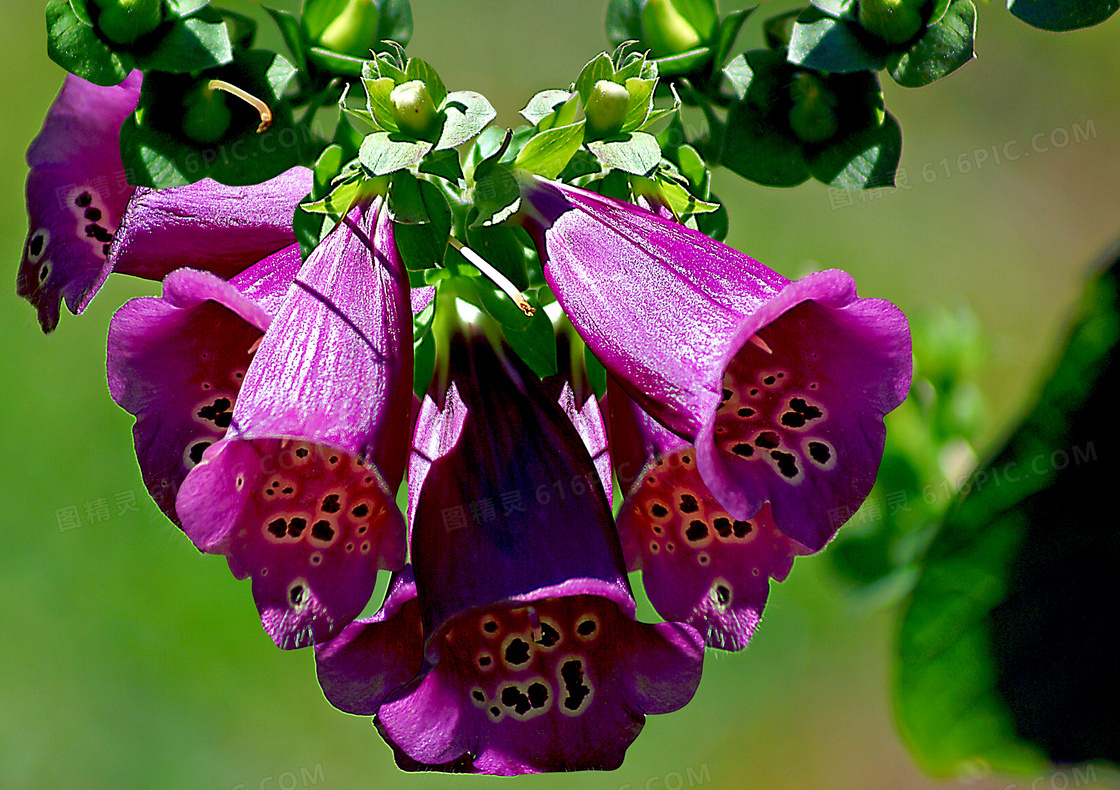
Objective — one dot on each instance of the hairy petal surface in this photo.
(300, 493)
(76, 193)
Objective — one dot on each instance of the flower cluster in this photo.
(276, 420)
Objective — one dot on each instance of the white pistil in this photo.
(263, 109)
(496, 276)
(757, 341)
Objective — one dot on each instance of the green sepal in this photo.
(544, 104)
(548, 153)
(942, 49)
(465, 115)
(598, 68)
(637, 153)
(824, 43)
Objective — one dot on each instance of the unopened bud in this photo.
(606, 109)
(894, 21)
(665, 30)
(127, 21)
(813, 115)
(354, 31)
(413, 109)
(207, 117)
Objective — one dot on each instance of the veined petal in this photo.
(218, 228)
(687, 325)
(76, 193)
(177, 363)
(300, 493)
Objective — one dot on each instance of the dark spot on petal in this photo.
(659, 510)
(538, 695)
(697, 530)
(723, 526)
(743, 449)
(787, 464)
(360, 511)
(105, 248)
(295, 595)
(36, 246)
(278, 527)
(726, 394)
(83, 200)
(331, 504)
(723, 595)
(490, 626)
(302, 452)
(95, 231)
(769, 380)
(742, 528)
(767, 440)
(495, 712)
(517, 652)
(686, 459)
(197, 449)
(689, 503)
(746, 412)
(287, 490)
(819, 452)
(215, 409)
(808, 412)
(333, 459)
(549, 636)
(93, 214)
(586, 628)
(322, 530)
(572, 673)
(754, 391)
(512, 697)
(478, 695)
(484, 661)
(792, 419)
(296, 526)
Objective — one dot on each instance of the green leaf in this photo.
(739, 74)
(338, 201)
(544, 104)
(421, 221)
(825, 44)
(536, 344)
(641, 102)
(683, 62)
(681, 201)
(292, 33)
(383, 153)
(941, 50)
(600, 68)
(335, 62)
(318, 14)
(548, 152)
(444, 164)
(701, 14)
(596, 373)
(624, 21)
(1062, 15)
(184, 7)
(1005, 645)
(636, 153)
(424, 362)
(466, 113)
(756, 144)
(191, 45)
(729, 29)
(778, 30)
(714, 223)
(76, 47)
(378, 90)
(496, 195)
(864, 160)
(420, 70)
(501, 247)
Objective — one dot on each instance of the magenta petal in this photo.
(371, 658)
(699, 565)
(801, 423)
(214, 227)
(177, 362)
(300, 493)
(76, 194)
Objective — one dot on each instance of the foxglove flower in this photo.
(177, 363)
(699, 564)
(299, 494)
(532, 659)
(781, 386)
(76, 194)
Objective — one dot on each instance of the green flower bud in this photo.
(127, 21)
(207, 117)
(665, 30)
(606, 109)
(354, 31)
(413, 109)
(813, 115)
(894, 21)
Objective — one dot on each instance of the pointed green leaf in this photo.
(864, 160)
(420, 70)
(1062, 15)
(600, 68)
(636, 153)
(466, 113)
(941, 50)
(548, 152)
(544, 104)
(383, 153)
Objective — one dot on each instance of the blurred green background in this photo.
(130, 661)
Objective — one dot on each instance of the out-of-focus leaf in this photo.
(1062, 15)
(942, 49)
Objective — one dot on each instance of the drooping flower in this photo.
(532, 659)
(700, 565)
(781, 386)
(76, 195)
(299, 494)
